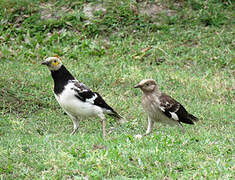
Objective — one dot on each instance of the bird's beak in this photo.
(137, 86)
(45, 63)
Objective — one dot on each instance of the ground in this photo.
(186, 46)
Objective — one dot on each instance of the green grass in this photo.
(190, 53)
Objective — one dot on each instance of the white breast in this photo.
(73, 105)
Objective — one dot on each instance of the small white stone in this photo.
(138, 136)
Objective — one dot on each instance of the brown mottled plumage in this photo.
(162, 108)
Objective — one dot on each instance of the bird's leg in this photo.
(104, 129)
(75, 125)
(103, 124)
(149, 129)
(181, 127)
(150, 126)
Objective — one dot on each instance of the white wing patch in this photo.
(174, 116)
(78, 86)
(162, 108)
(91, 100)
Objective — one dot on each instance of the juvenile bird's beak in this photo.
(137, 86)
(45, 63)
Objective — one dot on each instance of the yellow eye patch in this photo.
(55, 63)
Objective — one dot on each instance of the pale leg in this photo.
(75, 124)
(150, 126)
(103, 124)
(149, 129)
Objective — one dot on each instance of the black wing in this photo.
(86, 95)
(173, 109)
(83, 93)
(99, 101)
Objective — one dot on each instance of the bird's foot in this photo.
(73, 132)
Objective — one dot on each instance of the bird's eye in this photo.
(147, 84)
(54, 61)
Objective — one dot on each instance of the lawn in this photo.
(186, 46)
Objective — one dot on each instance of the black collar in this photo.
(61, 78)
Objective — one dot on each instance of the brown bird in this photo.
(162, 108)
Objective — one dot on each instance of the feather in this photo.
(174, 109)
(85, 94)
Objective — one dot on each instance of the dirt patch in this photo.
(141, 8)
(90, 9)
(153, 9)
(48, 11)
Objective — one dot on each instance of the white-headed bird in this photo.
(76, 99)
(162, 108)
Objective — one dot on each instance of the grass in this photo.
(187, 46)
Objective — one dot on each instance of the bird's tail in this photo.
(192, 117)
(117, 116)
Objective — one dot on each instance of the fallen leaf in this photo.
(95, 146)
(68, 23)
(145, 49)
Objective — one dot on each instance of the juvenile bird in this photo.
(162, 108)
(76, 99)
